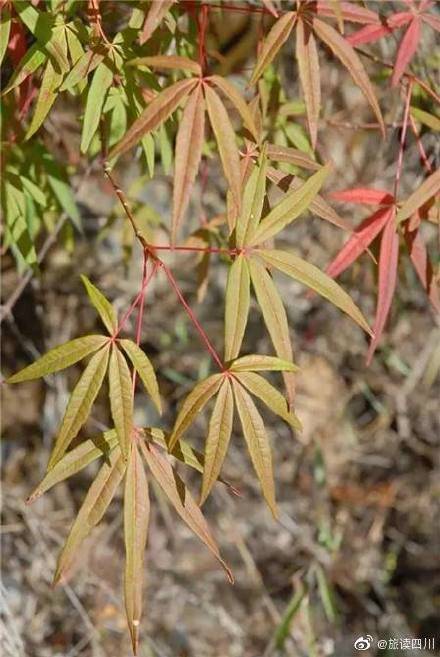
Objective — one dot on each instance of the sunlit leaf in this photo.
(167, 62)
(46, 98)
(262, 363)
(388, 259)
(363, 196)
(257, 442)
(121, 399)
(217, 441)
(95, 504)
(189, 144)
(252, 206)
(225, 137)
(427, 190)
(154, 18)
(314, 278)
(136, 518)
(144, 368)
(181, 499)
(407, 49)
(80, 403)
(87, 63)
(60, 358)
(275, 319)
(100, 303)
(343, 51)
(426, 118)
(308, 66)
(273, 399)
(291, 156)
(272, 44)
(157, 111)
(359, 241)
(75, 460)
(32, 60)
(96, 96)
(237, 100)
(236, 306)
(5, 27)
(193, 404)
(290, 207)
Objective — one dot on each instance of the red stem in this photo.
(201, 249)
(135, 303)
(420, 146)
(140, 312)
(192, 317)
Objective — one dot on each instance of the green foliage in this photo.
(145, 91)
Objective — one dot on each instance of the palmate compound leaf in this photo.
(100, 303)
(236, 306)
(60, 358)
(315, 279)
(136, 518)
(181, 499)
(80, 403)
(217, 441)
(98, 498)
(144, 368)
(257, 442)
(121, 399)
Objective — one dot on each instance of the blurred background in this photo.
(355, 551)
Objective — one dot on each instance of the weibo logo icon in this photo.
(363, 642)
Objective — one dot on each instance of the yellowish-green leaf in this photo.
(314, 278)
(257, 442)
(426, 118)
(75, 460)
(136, 517)
(275, 318)
(5, 27)
(219, 434)
(181, 499)
(96, 96)
(273, 399)
(144, 368)
(290, 207)
(308, 66)
(83, 67)
(278, 34)
(237, 100)
(60, 358)
(95, 504)
(32, 60)
(252, 206)
(157, 112)
(46, 97)
(237, 306)
(80, 403)
(347, 55)
(426, 191)
(225, 137)
(291, 156)
(121, 399)
(258, 363)
(100, 303)
(174, 62)
(193, 404)
(189, 143)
